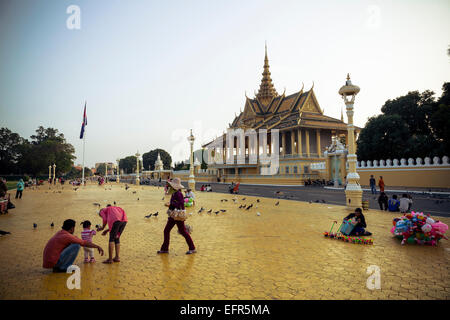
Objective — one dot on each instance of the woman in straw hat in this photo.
(177, 215)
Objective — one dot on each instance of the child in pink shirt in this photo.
(87, 235)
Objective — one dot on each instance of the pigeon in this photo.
(114, 203)
(97, 226)
(138, 199)
(323, 201)
(257, 200)
(243, 199)
(317, 201)
(223, 210)
(162, 198)
(4, 232)
(156, 214)
(217, 212)
(75, 189)
(249, 207)
(310, 201)
(149, 215)
(209, 211)
(134, 192)
(277, 203)
(52, 225)
(97, 204)
(127, 187)
(34, 225)
(201, 210)
(258, 214)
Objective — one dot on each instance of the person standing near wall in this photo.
(373, 184)
(381, 184)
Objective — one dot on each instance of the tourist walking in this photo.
(20, 187)
(62, 249)
(373, 184)
(381, 184)
(116, 219)
(177, 215)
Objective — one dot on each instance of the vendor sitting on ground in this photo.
(190, 195)
(358, 230)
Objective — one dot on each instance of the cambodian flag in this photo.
(84, 122)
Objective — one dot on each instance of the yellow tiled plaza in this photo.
(279, 254)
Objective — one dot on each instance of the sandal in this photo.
(162, 251)
(191, 251)
(108, 261)
(116, 260)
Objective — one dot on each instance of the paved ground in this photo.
(280, 254)
(438, 205)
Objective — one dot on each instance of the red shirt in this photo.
(61, 240)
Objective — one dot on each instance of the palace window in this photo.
(287, 169)
(295, 169)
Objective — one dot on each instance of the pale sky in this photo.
(151, 70)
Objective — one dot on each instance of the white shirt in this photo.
(190, 194)
(404, 204)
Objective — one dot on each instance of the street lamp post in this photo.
(106, 172)
(191, 181)
(50, 174)
(118, 172)
(137, 168)
(353, 191)
(54, 173)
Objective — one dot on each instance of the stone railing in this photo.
(317, 166)
(418, 162)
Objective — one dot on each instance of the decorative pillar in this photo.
(191, 181)
(308, 154)
(118, 171)
(353, 191)
(299, 142)
(106, 172)
(50, 173)
(293, 142)
(138, 180)
(319, 151)
(283, 143)
(54, 173)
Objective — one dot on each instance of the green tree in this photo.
(101, 169)
(149, 159)
(47, 147)
(11, 151)
(413, 126)
(128, 164)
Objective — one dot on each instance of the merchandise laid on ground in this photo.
(247, 247)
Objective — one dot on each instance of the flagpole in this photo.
(84, 144)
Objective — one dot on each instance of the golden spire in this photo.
(266, 90)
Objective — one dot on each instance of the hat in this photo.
(176, 184)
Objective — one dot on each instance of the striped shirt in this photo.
(87, 234)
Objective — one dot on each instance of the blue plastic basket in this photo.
(347, 227)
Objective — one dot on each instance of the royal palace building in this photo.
(304, 133)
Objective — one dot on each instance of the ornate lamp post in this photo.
(118, 172)
(353, 191)
(54, 173)
(50, 173)
(137, 168)
(191, 181)
(106, 172)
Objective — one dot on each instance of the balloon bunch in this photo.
(188, 202)
(339, 236)
(416, 227)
